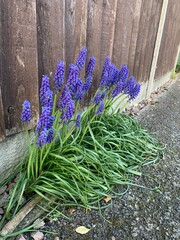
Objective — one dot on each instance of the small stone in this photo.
(56, 238)
(134, 234)
(4, 199)
(3, 189)
(39, 223)
(141, 106)
(1, 211)
(16, 178)
(113, 238)
(37, 236)
(135, 110)
(20, 237)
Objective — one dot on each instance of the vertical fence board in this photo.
(100, 34)
(108, 28)
(123, 30)
(170, 40)
(151, 38)
(134, 35)
(19, 60)
(148, 27)
(2, 127)
(75, 25)
(93, 39)
(51, 34)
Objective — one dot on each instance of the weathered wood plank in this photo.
(75, 28)
(142, 38)
(93, 42)
(123, 31)
(108, 29)
(19, 61)
(51, 35)
(134, 35)
(2, 126)
(100, 34)
(170, 40)
(154, 18)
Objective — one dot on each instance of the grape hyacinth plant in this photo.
(79, 156)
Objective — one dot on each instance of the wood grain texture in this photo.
(123, 31)
(93, 42)
(75, 28)
(2, 126)
(134, 35)
(19, 61)
(100, 34)
(51, 35)
(170, 40)
(148, 26)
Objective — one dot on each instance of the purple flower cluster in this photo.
(113, 82)
(131, 88)
(26, 112)
(87, 84)
(106, 65)
(66, 105)
(74, 83)
(135, 92)
(48, 99)
(59, 76)
(81, 59)
(78, 120)
(129, 85)
(99, 97)
(90, 67)
(44, 127)
(45, 86)
(123, 73)
(118, 89)
(101, 108)
(110, 74)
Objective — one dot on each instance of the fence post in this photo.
(157, 47)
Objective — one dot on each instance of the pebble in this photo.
(4, 199)
(56, 238)
(3, 189)
(20, 237)
(1, 211)
(37, 236)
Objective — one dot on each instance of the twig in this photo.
(11, 225)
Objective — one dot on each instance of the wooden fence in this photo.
(37, 33)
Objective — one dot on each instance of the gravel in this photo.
(141, 213)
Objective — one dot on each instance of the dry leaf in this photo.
(71, 210)
(39, 223)
(107, 199)
(82, 230)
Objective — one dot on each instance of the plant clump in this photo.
(79, 157)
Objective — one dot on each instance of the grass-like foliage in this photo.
(78, 159)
